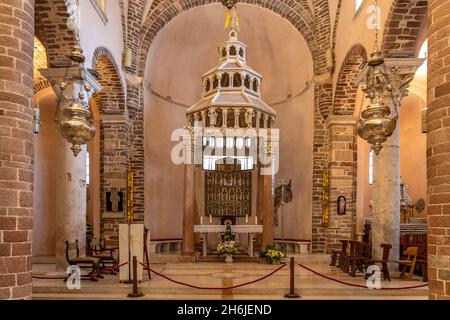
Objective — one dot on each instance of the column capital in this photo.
(71, 74)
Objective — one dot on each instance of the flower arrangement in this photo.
(228, 245)
(273, 255)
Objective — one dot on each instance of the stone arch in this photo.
(52, 29)
(297, 13)
(403, 26)
(112, 97)
(346, 89)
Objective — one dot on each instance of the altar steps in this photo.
(220, 274)
(236, 258)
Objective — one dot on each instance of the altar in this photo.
(249, 229)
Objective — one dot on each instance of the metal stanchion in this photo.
(292, 293)
(135, 293)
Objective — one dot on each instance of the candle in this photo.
(246, 218)
(201, 219)
(256, 219)
(210, 218)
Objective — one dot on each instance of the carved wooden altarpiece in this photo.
(228, 191)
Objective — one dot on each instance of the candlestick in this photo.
(256, 219)
(210, 218)
(246, 218)
(201, 219)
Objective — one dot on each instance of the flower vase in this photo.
(229, 258)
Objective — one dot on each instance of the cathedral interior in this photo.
(242, 145)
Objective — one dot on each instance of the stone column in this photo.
(71, 171)
(188, 196)
(267, 210)
(16, 148)
(438, 159)
(189, 209)
(342, 165)
(386, 197)
(70, 201)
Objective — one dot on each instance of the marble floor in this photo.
(220, 275)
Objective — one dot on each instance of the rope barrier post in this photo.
(292, 294)
(135, 293)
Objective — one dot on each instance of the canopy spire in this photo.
(232, 18)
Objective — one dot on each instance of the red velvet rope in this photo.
(212, 288)
(358, 285)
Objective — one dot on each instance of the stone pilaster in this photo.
(342, 169)
(438, 157)
(113, 173)
(16, 148)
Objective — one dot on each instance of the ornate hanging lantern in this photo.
(74, 85)
(77, 127)
(384, 82)
(376, 123)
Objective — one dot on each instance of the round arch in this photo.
(346, 90)
(111, 99)
(299, 15)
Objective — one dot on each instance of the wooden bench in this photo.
(82, 262)
(337, 255)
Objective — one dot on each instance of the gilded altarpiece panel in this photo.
(228, 191)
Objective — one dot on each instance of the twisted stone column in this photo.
(16, 148)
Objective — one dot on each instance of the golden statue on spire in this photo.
(232, 18)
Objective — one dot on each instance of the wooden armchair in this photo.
(383, 261)
(411, 253)
(82, 262)
(336, 255)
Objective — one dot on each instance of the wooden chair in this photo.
(107, 256)
(336, 255)
(411, 253)
(345, 264)
(383, 261)
(360, 259)
(83, 262)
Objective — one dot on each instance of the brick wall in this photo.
(52, 30)
(438, 149)
(406, 19)
(342, 167)
(16, 147)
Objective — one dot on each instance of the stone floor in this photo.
(209, 274)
